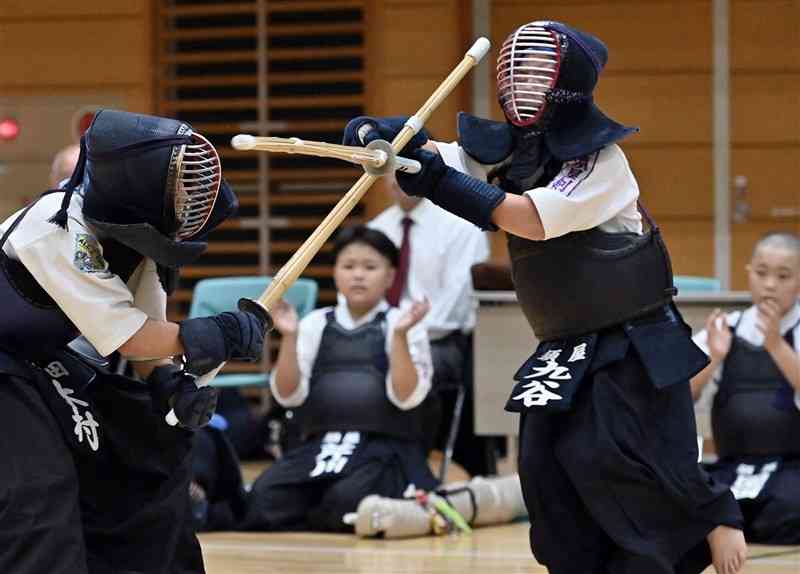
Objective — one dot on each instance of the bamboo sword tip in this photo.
(479, 49)
(243, 142)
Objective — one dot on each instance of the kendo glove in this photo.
(364, 129)
(210, 341)
(458, 193)
(173, 389)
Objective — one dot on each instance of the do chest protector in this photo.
(744, 416)
(589, 280)
(30, 320)
(348, 386)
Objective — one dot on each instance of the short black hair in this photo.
(368, 236)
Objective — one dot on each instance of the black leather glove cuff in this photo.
(173, 389)
(204, 345)
(163, 382)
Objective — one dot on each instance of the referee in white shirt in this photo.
(441, 250)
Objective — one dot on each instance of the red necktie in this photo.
(396, 290)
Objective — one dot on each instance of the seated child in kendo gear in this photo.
(752, 389)
(354, 376)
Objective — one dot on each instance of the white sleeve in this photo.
(309, 336)
(586, 193)
(149, 295)
(701, 340)
(69, 265)
(420, 350)
(454, 156)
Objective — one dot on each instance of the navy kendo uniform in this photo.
(755, 423)
(93, 479)
(356, 442)
(608, 453)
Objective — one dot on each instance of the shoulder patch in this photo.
(88, 254)
(573, 172)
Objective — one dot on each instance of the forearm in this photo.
(788, 362)
(287, 369)
(518, 215)
(154, 340)
(701, 379)
(483, 204)
(402, 369)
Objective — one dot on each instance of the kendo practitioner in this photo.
(93, 479)
(354, 376)
(608, 455)
(752, 387)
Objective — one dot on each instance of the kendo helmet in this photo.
(546, 73)
(151, 183)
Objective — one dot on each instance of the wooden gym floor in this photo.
(497, 549)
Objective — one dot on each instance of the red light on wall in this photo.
(9, 129)
(85, 121)
(82, 119)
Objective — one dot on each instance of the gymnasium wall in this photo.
(412, 46)
(55, 58)
(659, 77)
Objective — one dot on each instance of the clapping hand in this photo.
(412, 315)
(284, 317)
(719, 335)
(768, 322)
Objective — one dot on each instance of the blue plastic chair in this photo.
(212, 296)
(687, 283)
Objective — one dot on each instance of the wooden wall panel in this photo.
(641, 36)
(415, 50)
(26, 176)
(674, 183)
(673, 108)
(406, 63)
(56, 58)
(690, 245)
(764, 35)
(90, 52)
(765, 124)
(772, 189)
(408, 94)
(764, 108)
(49, 9)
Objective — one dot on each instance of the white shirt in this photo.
(309, 337)
(69, 266)
(598, 190)
(444, 248)
(746, 329)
